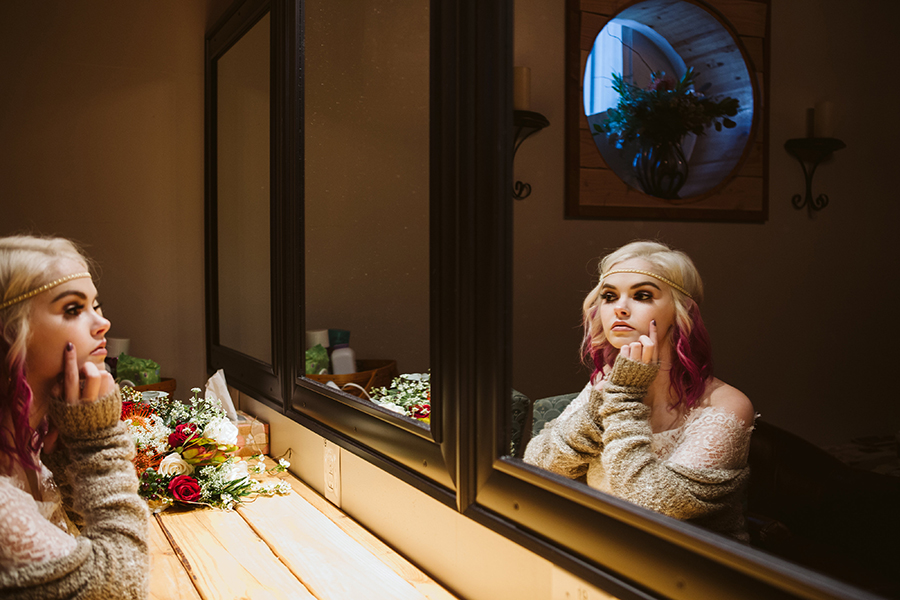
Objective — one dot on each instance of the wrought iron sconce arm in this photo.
(526, 123)
(811, 151)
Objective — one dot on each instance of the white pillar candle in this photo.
(317, 336)
(824, 120)
(521, 88)
(117, 346)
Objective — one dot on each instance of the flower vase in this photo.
(661, 169)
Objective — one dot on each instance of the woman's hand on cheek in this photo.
(644, 350)
(85, 385)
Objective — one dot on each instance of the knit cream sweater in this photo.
(607, 441)
(110, 559)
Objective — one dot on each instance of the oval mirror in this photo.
(670, 100)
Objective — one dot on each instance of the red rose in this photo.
(421, 411)
(181, 434)
(185, 488)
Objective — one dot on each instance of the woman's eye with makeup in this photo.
(98, 308)
(608, 297)
(73, 310)
(643, 296)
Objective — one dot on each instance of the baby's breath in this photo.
(152, 435)
(405, 392)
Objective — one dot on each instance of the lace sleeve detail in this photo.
(26, 536)
(714, 438)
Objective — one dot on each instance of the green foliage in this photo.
(664, 112)
(409, 394)
(152, 487)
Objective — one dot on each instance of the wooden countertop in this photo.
(293, 546)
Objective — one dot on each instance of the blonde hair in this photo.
(26, 263)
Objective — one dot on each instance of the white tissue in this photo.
(216, 388)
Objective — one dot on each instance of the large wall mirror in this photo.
(366, 247)
(835, 551)
(242, 182)
(430, 163)
(366, 190)
(244, 334)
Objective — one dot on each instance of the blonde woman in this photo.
(653, 426)
(56, 397)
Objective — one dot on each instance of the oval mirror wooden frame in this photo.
(730, 33)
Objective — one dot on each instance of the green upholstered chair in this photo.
(547, 409)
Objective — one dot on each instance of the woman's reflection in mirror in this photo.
(653, 426)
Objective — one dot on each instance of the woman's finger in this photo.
(654, 338)
(107, 384)
(647, 350)
(625, 351)
(91, 382)
(70, 375)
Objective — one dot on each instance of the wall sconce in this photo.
(812, 151)
(526, 121)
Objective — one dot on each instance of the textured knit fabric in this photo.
(695, 472)
(110, 558)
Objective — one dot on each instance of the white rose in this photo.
(234, 470)
(173, 464)
(222, 430)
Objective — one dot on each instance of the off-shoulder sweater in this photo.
(696, 472)
(110, 558)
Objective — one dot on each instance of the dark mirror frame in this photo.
(262, 380)
(463, 460)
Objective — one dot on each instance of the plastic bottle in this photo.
(343, 360)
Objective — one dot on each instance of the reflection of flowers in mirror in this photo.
(409, 394)
(665, 111)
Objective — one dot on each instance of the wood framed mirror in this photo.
(727, 44)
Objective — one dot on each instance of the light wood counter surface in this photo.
(293, 546)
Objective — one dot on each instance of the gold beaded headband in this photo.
(654, 275)
(43, 288)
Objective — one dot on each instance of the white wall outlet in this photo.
(333, 473)
(565, 586)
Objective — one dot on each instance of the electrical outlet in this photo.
(333, 473)
(565, 586)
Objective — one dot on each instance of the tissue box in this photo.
(255, 435)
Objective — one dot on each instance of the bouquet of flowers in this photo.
(664, 112)
(185, 453)
(409, 395)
